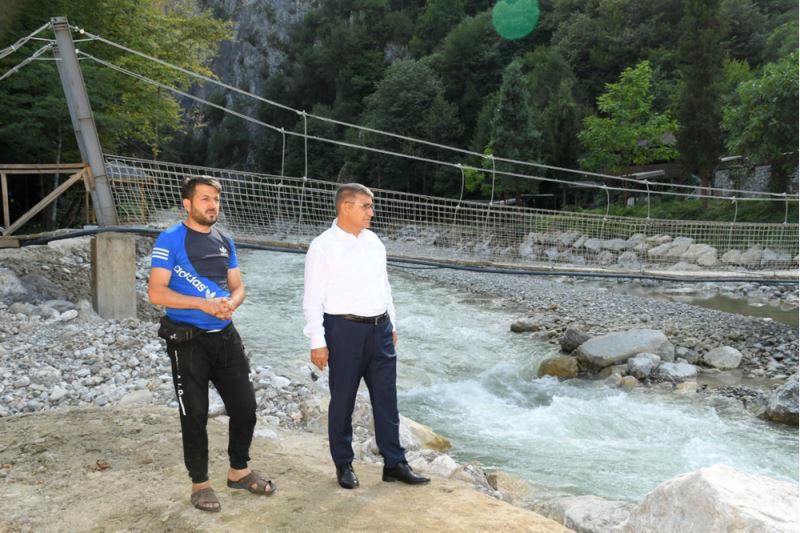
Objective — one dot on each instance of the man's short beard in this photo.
(204, 221)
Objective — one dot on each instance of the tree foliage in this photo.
(631, 132)
(409, 101)
(701, 70)
(131, 116)
(762, 122)
(514, 135)
(433, 70)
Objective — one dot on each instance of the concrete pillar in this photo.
(114, 275)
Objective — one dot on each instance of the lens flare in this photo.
(514, 19)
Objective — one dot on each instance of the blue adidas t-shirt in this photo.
(199, 263)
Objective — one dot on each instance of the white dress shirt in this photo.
(344, 275)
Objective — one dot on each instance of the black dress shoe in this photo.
(403, 472)
(346, 476)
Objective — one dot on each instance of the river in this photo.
(461, 371)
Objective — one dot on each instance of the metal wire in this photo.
(264, 208)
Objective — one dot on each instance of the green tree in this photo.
(131, 116)
(408, 101)
(699, 110)
(762, 124)
(471, 67)
(632, 132)
(745, 28)
(514, 135)
(439, 17)
(557, 113)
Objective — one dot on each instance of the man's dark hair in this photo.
(190, 183)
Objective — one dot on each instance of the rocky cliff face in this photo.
(261, 29)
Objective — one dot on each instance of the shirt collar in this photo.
(342, 234)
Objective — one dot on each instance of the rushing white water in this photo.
(461, 371)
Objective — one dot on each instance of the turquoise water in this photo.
(461, 371)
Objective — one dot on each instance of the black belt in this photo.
(374, 320)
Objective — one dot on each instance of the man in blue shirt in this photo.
(195, 275)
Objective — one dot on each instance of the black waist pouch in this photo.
(176, 332)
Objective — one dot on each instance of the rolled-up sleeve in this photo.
(315, 285)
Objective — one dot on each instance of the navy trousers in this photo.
(359, 350)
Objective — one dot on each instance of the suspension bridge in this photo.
(285, 212)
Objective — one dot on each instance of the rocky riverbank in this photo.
(769, 349)
(58, 358)
(120, 469)
(56, 352)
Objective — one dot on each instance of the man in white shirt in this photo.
(349, 319)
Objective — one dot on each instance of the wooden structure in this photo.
(78, 171)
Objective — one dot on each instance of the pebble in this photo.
(68, 315)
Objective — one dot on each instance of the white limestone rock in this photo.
(616, 245)
(618, 347)
(425, 436)
(593, 244)
(660, 250)
(782, 404)
(708, 259)
(717, 498)
(732, 257)
(586, 514)
(695, 251)
(11, 288)
(676, 371)
(723, 357)
(751, 256)
(137, 397)
(643, 365)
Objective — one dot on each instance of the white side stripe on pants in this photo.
(179, 384)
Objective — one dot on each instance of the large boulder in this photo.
(708, 259)
(526, 324)
(723, 357)
(11, 288)
(567, 238)
(518, 488)
(593, 244)
(694, 251)
(573, 338)
(676, 371)
(629, 259)
(660, 250)
(732, 257)
(526, 247)
(586, 514)
(643, 365)
(751, 256)
(618, 347)
(782, 404)
(717, 498)
(425, 435)
(616, 245)
(562, 366)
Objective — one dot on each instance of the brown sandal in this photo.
(262, 486)
(206, 500)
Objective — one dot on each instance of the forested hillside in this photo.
(600, 85)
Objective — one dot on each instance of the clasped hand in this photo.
(221, 308)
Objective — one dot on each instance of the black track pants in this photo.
(218, 358)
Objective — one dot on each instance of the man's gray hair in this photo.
(348, 191)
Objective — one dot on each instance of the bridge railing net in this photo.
(281, 209)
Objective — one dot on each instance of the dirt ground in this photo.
(121, 469)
